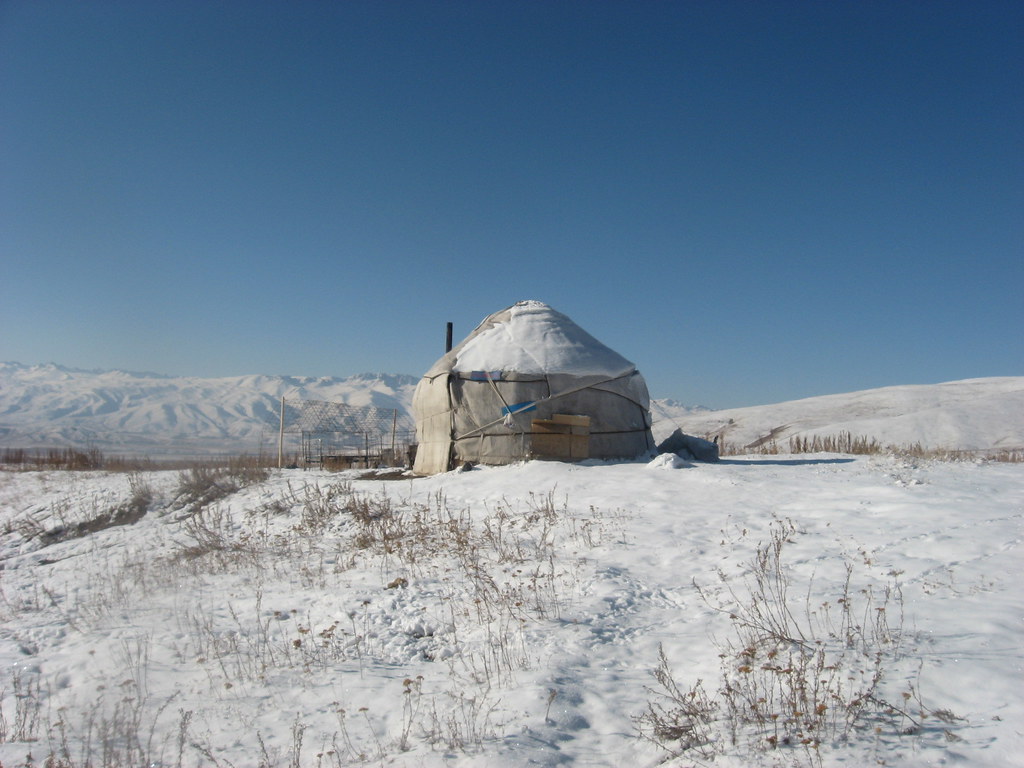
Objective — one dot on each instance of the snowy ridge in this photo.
(122, 412)
(971, 415)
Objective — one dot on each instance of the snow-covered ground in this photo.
(513, 616)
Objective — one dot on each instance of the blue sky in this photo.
(752, 201)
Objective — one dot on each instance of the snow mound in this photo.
(668, 461)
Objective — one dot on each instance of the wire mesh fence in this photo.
(339, 434)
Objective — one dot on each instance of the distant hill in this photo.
(151, 414)
(974, 415)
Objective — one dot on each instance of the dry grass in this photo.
(92, 459)
(796, 677)
(862, 445)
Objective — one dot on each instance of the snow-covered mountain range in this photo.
(145, 413)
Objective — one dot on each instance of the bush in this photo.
(202, 484)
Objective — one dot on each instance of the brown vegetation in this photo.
(862, 445)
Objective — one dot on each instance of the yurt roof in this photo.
(532, 338)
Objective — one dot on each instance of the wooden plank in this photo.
(550, 427)
(572, 420)
(552, 446)
(563, 436)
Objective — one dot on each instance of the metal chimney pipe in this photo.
(448, 339)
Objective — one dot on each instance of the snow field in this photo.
(500, 617)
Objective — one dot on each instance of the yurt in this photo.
(528, 383)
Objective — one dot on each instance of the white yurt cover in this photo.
(487, 399)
